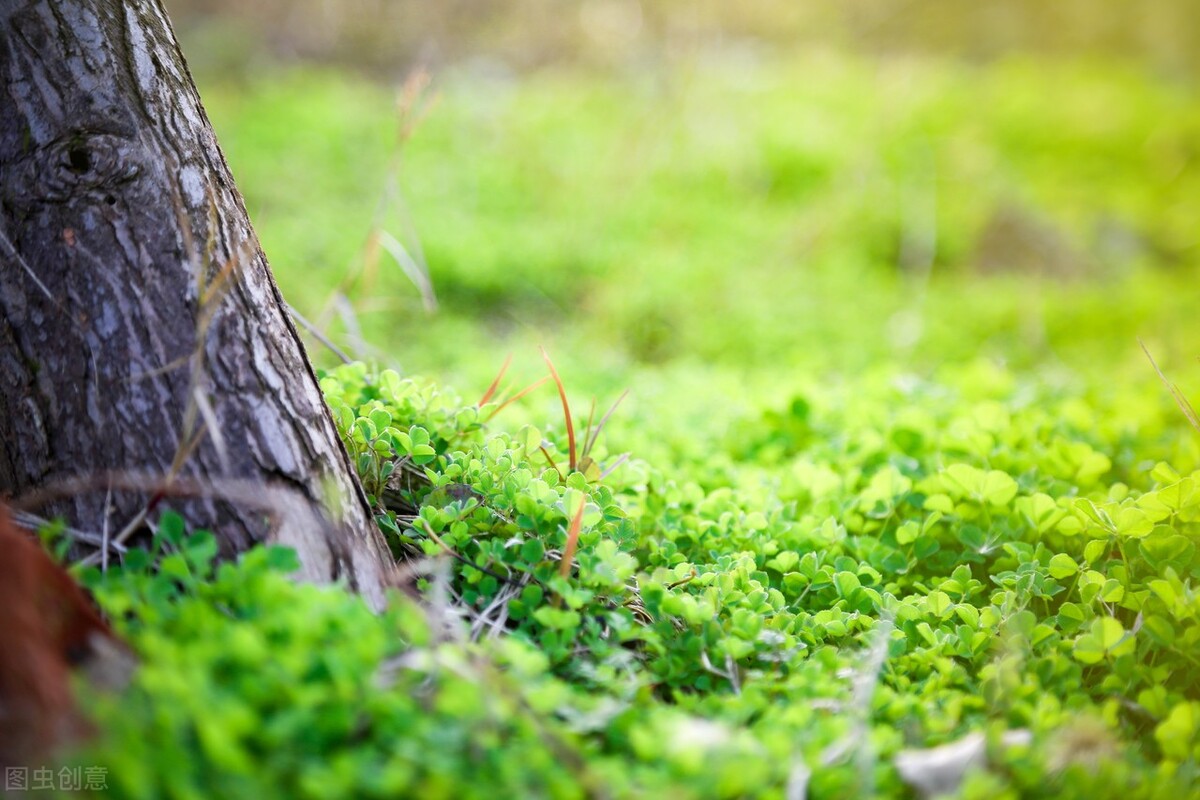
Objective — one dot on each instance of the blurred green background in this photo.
(718, 200)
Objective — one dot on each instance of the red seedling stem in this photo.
(491, 390)
(562, 393)
(564, 567)
(515, 397)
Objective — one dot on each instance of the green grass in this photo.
(879, 497)
(748, 213)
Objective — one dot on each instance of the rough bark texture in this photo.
(138, 312)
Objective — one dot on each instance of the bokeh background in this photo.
(713, 203)
(390, 36)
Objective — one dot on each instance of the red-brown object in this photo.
(48, 626)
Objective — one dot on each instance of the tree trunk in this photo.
(142, 332)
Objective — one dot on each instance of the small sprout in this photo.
(491, 390)
(515, 398)
(564, 568)
(562, 393)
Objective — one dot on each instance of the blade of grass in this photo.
(564, 567)
(612, 467)
(414, 270)
(587, 429)
(562, 393)
(603, 421)
(550, 459)
(1180, 400)
(491, 390)
(316, 333)
(370, 259)
(516, 397)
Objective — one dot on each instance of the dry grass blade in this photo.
(33, 522)
(105, 533)
(591, 442)
(550, 461)
(621, 459)
(170, 366)
(292, 515)
(414, 268)
(491, 390)
(214, 430)
(562, 393)
(317, 334)
(13, 257)
(370, 258)
(186, 449)
(1180, 400)
(346, 313)
(450, 551)
(214, 289)
(338, 304)
(214, 281)
(413, 103)
(568, 556)
(587, 429)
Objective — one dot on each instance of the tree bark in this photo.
(142, 332)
